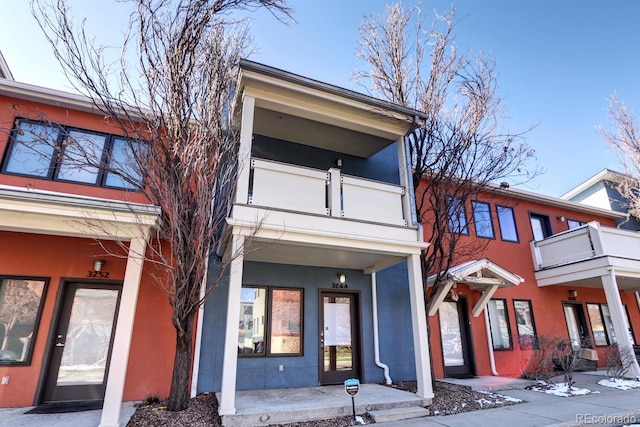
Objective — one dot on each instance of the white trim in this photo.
(198, 345)
(123, 334)
(230, 354)
(5, 72)
(376, 340)
(419, 327)
(603, 175)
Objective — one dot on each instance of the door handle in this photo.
(59, 344)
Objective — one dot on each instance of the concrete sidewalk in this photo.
(16, 417)
(607, 407)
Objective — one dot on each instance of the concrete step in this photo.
(396, 414)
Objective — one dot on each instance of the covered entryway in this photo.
(482, 275)
(593, 256)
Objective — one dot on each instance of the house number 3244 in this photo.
(98, 274)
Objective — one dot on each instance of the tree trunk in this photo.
(181, 380)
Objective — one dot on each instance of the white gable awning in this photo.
(483, 275)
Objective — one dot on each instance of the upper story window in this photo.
(482, 219)
(72, 155)
(457, 216)
(540, 225)
(507, 222)
(572, 223)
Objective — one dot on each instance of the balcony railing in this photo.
(328, 193)
(589, 241)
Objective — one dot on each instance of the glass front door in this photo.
(79, 358)
(454, 335)
(339, 337)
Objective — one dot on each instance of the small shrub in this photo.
(619, 362)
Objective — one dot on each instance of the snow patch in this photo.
(620, 384)
(560, 389)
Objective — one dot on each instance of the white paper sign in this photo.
(337, 324)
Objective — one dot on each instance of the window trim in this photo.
(515, 226)
(57, 156)
(534, 337)
(267, 322)
(508, 322)
(475, 221)
(604, 325)
(36, 323)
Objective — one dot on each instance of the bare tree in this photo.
(172, 106)
(625, 140)
(459, 148)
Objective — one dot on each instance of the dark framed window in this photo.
(271, 321)
(457, 216)
(21, 301)
(482, 219)
(572, 223)
(525, 322)
(507, 223)
(499, 323)
(602, 325)
(540, 225)
(72, 155)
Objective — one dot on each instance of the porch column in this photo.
(244, 151)
(419, 326)
(230, 360)
(619, 320)
(122, 338)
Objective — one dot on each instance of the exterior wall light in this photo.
(342, 278)
(573, 294)
(97, 266)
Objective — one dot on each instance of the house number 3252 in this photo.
(98, 274)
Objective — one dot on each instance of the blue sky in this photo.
(558, 61)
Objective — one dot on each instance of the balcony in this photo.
(582, 255)
(326, 193)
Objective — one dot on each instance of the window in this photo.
(540, 225)
(499, 322)
(526, 325)
(602, 325)
(572, 223)
(270, 322)
(457, 216)
(20, 307)
(507, 222)
(65, 154)
(482, 219)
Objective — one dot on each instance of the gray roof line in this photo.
(329, 88)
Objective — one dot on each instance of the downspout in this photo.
(196, 351)
(376, 343)
(492, 360)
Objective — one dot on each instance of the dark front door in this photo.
(81, 345)
(455, 333)
(339, 336)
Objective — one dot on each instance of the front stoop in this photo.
(397, 414)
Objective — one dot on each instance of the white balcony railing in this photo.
(300, 189)
(586, 242)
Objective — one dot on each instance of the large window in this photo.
(482, 219)
(499, 322)
(270, 322)
(20, 307)
(65, 154)
(457, 216)
(572, 223)
(507, 223)
(525, 322)
(602, 325)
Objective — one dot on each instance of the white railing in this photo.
(300, 189)
(589, 241)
